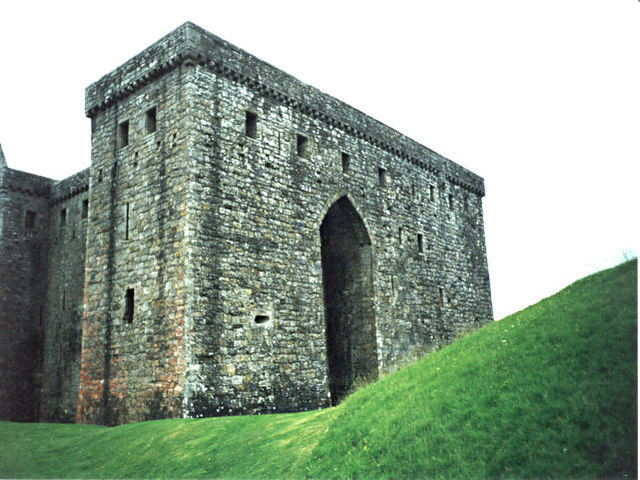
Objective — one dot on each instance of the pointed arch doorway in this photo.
(347, 276)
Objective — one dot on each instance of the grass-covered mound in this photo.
(547, 392)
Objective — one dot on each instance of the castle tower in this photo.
(255, 245)
(23, 255)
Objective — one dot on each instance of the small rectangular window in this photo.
(123, 134)
(441, 297)
(63, 217)
(150, 120)
(126, 231)
(400, 234)
(100, 175)
(85, 208)
(382, 177)
(450, 201)
(251, 125)
(346, 162)
(129, 306)
(432, 195)
(30, 220)
(420, 244)
(302, 146)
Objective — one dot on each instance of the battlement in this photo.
(190, 43)
(27, 183)
(70, 187)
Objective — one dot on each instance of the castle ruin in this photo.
(242, 243)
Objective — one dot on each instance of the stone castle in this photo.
(242, 243)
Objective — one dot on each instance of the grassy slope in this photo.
(549, 391)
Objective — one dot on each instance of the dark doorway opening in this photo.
(347, 275)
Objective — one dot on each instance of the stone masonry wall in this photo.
(62, 343)
(132, 358)
(23, 254)
(258, 250)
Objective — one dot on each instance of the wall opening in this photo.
(63, 217)
(129, 306)
(251, 125)
(346, 160)
(382, 177)
(150, 120)
(123, 134)
(30, 220)
(347, 274)
(420, 243)
(302, 146)
(126, 220)
(85, 208)
(261, 319)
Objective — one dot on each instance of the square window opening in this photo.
(382, 177)
(30, 220)
(251, 125)
(302, 146)
(346, 163)
(150, 120)
(123, 134)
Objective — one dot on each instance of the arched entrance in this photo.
(347, 275)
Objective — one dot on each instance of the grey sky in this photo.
(542, 99)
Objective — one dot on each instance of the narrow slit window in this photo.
(123, 134)
(129, 305)
(30, 220)
(100, 175)
(441, 297)
(420, 244)
(450, 201)
(432, 195)
(63, 217)
(400, 234)
(64, 300)
(85, 208)
(302, 146)
(126, 219)
(251, 125)
(150, 120)
(346, 163)
(382, 177)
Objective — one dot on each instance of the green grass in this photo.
(547, 392)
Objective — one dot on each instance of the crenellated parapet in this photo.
(190, 44)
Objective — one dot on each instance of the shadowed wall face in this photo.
(347, 267)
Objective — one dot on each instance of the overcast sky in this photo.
(541, 99)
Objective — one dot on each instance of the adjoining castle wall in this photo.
(24, 212)
(67, 225)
